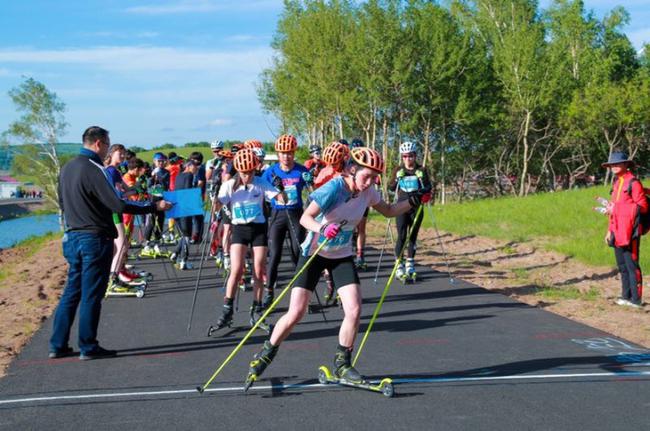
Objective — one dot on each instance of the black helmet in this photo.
(314, 149)
(356, 143)
(344, 142)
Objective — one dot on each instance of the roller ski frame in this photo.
(384, 387)
(129, 291)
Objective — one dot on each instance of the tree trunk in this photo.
(524, 169)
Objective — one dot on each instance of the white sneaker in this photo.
(621, 301)
(401, 272)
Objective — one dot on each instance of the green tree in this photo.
(41, 125)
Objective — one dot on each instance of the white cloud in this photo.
(245, 38)
(221, 122)
(143, 58)
(202, 6)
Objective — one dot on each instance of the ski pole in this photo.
(386, 289)
(388, 231)
(381, 253)
(442, 247)
(198, 276)
(277, 300)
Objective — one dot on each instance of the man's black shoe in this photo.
(98, 353)
(56, 354)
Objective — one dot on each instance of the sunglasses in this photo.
(408, 156)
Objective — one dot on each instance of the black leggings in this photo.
(154, 225)
(404, 222)
(279, 226)
(627, 260)
(185, 227)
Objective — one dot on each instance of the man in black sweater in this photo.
(88, 202)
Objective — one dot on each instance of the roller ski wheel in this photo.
(384, 387)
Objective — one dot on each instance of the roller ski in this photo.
(259, 363)
(256, 312)
(385, 386)
(153, 252)
(345, 374)
(118, 289)
(224, 321)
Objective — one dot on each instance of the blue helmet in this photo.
(159, 156)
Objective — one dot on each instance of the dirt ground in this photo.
(30, 287)
(32, 283)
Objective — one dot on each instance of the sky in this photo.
(159, 71)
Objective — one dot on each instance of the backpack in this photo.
(643, 219)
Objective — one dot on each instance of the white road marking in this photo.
(318, 385)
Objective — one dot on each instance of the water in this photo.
(16, 230)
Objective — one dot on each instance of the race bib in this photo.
(409, 184)
(292, 194)
(342, 240)
(246, 211)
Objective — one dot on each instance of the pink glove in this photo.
(330, 231)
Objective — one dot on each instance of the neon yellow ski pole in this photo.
(387, 288)
(261, 319)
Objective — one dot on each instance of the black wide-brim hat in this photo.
(616, 158)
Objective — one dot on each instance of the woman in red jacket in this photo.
(628, 202)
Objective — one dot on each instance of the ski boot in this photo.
(117, 288)
(360, 263)
(148, 251)
(226, 262)
(173, 257)
(411, 275)
(259, 363)
(183, 265)
(345, 374)
(269, 296)
(256, 312)
(401, 272)
(218, 259)
(225, 319)
(130, 279)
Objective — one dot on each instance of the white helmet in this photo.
(407, 147)
(260, 153)
(216, 145)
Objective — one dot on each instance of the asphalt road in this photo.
(461, 358)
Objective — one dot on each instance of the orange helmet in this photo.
(226, 154)
(367, 157)
(236, 147)
(253, 143)
(336, 153)
(245, 160)
(286, 144)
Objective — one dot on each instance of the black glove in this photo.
(415, 198)
(277, 183)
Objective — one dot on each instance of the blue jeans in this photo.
(89, 256)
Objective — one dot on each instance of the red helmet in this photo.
(245, 160)
(369, 158)
(253, 143)
(336, 153)
(286, 144)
